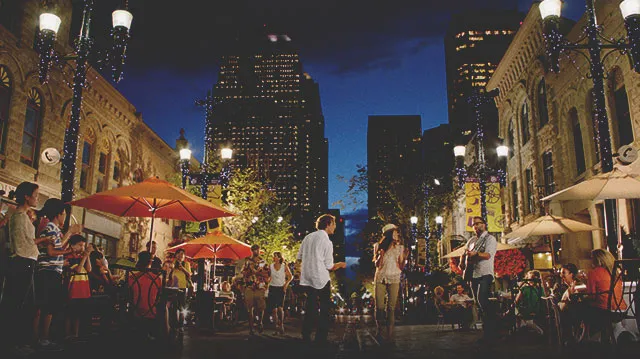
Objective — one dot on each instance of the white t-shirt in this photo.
(316, 254)
(277, 276)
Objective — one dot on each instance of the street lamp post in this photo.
(594, 45)
(185, 158)
(477, 101)
(414, 237)
(49, 25)
(439, 221)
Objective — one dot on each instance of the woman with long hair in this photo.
(279, 281)
(599, 289)
(389, 258)
(19, 291)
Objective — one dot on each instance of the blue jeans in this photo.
(481, 287)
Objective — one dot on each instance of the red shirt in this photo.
(145, 288)
(598, 284)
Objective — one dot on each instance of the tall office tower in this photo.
(437, 155)
(394, 162)
(268, 110)
(474, 45)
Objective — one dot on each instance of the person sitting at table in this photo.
(529, 301)
(226, 296)
(570, 279)
(182, 279)
(596, 313)
(461, 307)
(442, 305)
(570, 302)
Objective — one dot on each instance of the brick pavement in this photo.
(350, 340)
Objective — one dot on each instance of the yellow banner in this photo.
(495, 217)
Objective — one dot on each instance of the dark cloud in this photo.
(346, 35)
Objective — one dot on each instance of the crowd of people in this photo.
(50, 274)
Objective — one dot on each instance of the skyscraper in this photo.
(269, 111)
(393, 161)
(437, 154)
(474, 45)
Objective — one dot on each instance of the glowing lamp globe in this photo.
(503, 151)
(50, 22)
(122, 18)
(185, 154)
(459, 151)
(630, 8)
(414, 220)
(226, 153)
(550, 8)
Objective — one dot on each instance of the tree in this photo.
(257, 211)
(405, 199)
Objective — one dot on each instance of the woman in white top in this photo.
(389, 257)
(19, 291)
(280, 276)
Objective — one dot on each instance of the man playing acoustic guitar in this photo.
(477, 263)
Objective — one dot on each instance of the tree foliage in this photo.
(257, 211)
(406, 198)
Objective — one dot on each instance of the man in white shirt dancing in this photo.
(316, 254)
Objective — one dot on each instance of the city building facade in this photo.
(115, 148)
(547, 122)
(394, 162)
(269, 111)
(474, 44)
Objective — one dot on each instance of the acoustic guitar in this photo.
(467, 264)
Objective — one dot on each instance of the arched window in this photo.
(31, 131)
(5, 101)
(543, 110)
(85, 168)
(524, 116)
(578, 144)
(621, 107)
(511, 139)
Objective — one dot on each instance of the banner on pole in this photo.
(495, 217)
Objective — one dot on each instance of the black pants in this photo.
(16, 309)
(481, 287)
(314, 296)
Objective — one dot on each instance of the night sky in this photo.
(368, 58)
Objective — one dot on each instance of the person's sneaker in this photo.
(23, 351)
(48, 346)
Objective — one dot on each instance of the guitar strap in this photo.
(482, 245)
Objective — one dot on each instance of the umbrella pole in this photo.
(213, 320)
(153, 217)
(553, 252)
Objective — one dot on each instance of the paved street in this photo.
(349, 340)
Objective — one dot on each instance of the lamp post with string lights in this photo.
(49, 25)
(594, 44)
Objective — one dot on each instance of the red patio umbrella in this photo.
(153, 198)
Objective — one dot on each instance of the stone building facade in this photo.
(115, 147)
(547, 121)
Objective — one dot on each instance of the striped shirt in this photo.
(46, 262)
